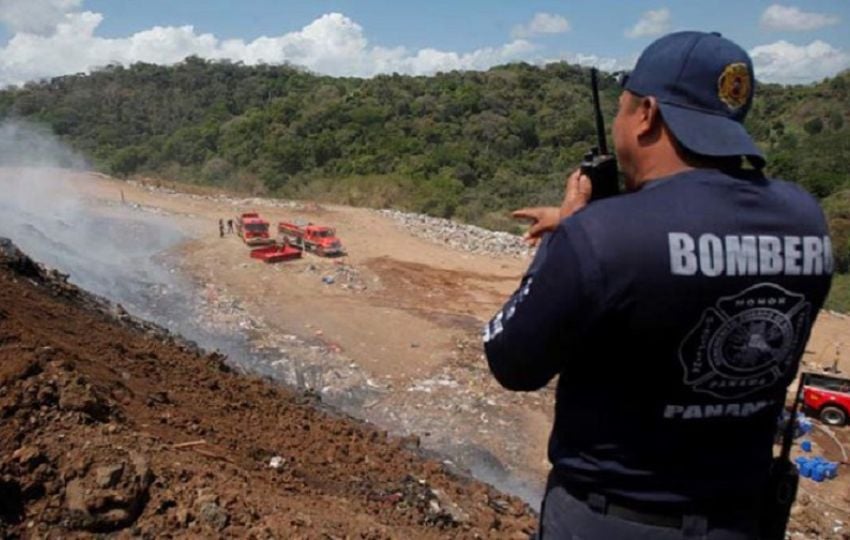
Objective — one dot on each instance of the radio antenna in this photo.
(600, 124)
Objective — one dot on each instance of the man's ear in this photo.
(649, 115)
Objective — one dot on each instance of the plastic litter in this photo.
(804, 466)
(802, 424)
(817, 468)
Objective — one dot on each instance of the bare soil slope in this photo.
(111, 424)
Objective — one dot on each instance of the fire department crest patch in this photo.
(734, 85)
(746, 342)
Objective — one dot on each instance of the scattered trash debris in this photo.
(817, 468)
(803, 425)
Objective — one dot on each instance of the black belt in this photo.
(602, 505)
(735, 514)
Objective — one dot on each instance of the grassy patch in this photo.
(839, 295)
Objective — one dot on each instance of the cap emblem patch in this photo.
(734, 84)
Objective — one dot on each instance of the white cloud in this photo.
(651, 23)
(603, 63)
(784, 62)
(35, 16)
(779, 17)
(542, 23)
(332, 44)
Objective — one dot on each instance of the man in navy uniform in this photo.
(675, 315)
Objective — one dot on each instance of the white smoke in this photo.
(120, 251)
(107, 251)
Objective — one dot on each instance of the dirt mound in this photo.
(110, 424)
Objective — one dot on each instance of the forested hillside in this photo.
(468, 145)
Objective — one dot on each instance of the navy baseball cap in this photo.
(704, 87)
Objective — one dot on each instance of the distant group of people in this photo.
(221, 227)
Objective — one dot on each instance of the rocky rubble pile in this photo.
(96, 487)
(461, 236)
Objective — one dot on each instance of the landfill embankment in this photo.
(114, 425)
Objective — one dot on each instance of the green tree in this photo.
(465, 144)
(813, 126)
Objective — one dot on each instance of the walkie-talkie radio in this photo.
(598, 164)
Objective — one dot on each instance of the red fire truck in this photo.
(253, 229)
(316, 238)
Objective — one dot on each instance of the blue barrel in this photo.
(806, 446)
(818, 472)
(832, 470)
(806, 469)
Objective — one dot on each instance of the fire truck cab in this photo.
(253, 229)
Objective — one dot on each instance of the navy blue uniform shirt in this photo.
(676, 317)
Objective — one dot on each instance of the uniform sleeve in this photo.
(530, 339)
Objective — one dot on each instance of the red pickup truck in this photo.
(316, 238)
(827, 397)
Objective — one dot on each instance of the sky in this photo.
(793, 42)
